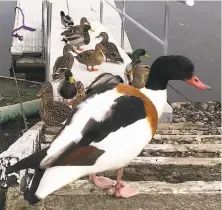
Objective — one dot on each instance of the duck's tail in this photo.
(31, 161)
(29, 194)
(70, 24)
(119, 59)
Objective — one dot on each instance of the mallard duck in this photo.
(67, 88)
(137, 72)
(79, 39)
(51, 112)
(66, 20)
(110, 50)
(106, 132)
(103, 78)
(63, 62)
(76, 29)
(91, 57)
(80, 96)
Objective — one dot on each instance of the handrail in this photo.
(163, 42)
(166, 27)
(47, 17)
(135, 22)
(123, 24)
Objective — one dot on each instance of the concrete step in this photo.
(182, 150)
(153, 196)
(166, 129)
(168, 139)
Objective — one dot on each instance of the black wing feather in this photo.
(125, 111)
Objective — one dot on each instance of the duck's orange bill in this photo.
(197, 83)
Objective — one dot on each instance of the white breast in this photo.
(122, 146)
(158, 97)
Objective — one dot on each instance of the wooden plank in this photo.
(183, 148)
(176, 161)
(84, 187)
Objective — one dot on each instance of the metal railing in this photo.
(46, 25)
(163, 42)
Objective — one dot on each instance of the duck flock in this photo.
(110, 122)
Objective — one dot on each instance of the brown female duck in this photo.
(80, 38)
(63, 62)
(76, 29)
(110, 50)
(91, 57)
(51, 112)
(80, 96)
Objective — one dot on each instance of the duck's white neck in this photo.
(158, 97)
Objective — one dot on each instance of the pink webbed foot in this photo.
(101, 181)
(121, 190)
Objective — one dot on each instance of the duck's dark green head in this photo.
(86, 28)
(69, 76)
(139, 52)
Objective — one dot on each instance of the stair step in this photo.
(153, 195)
(186, 139)
(182, 150)
(183, 147)
(168, 139)
(165, 128)
(176, 161)
(84, 187)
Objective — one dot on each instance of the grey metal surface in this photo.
(49, 20)
(123, 24)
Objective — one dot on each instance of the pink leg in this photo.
(121, 189)
(101, 181)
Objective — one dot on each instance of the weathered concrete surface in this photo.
(140, 202)
(23, 147)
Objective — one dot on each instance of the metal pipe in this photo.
(101, 11)
(166, 27)
(44, 26)
(137, 24)
(49, 11)
(123, 24)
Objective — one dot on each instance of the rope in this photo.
(14, 33)
(20, 99)
(198, 107)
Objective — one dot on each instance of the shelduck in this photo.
(106, 132)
